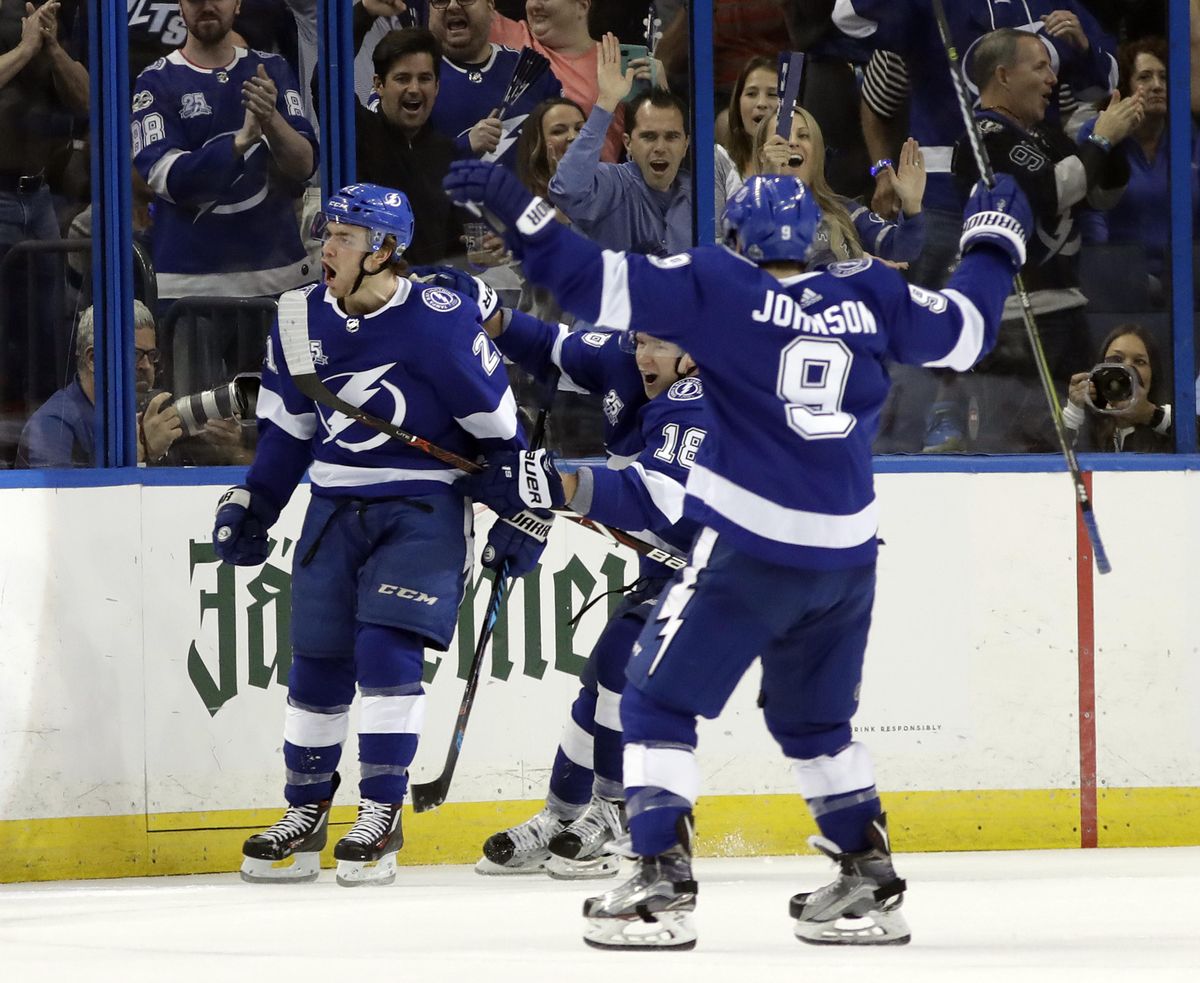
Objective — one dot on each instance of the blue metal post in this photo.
(701, 39)
(335, 94)
(1182, 234)
(112, 234)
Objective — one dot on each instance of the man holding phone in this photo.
(645, 204)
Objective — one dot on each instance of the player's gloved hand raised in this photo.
(473, 182)
(998, 216)
(513, 481)
(518, 541)
(240, 529)
(461, 282)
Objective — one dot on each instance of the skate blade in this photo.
(563, 869)
(367, 873)
(300, 868)
(490, 869)
(873, 928)
(668, 930)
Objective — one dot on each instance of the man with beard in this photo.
(476, 75)
(220, 135)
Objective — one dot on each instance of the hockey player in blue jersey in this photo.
(220, 135)
(386, 545)
(655, 422)
(784, 567)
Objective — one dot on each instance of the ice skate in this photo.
(522, 849)
(367, 854)
(653, 909)
(581, 850)
(290, 850)
(862, 906)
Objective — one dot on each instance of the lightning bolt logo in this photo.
(358, 388)
(510, 131)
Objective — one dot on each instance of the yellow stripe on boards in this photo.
(732, 826)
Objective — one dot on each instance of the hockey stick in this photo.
(430, 795)
(1031, 328)
(529, 68)
(297, 353)
(791, 71)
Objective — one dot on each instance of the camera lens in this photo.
(212, 404)
(1114, 384)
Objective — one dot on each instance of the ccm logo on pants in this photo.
(408, 594)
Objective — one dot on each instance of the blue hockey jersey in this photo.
(223, 225)
(422, 362)
(589, 362)
(793, 371)
(468, 93)
(651, 443)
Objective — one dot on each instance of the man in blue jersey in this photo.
(655, 422)
(475, 74)
(387, 539)
(220, 135)
(784, 566)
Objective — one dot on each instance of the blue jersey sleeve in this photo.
(287, 423)
(899, 241)
(582, 357)
(648, 494)
(583, 186)
(161, 154)
(474, 385)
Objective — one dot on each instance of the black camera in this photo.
(234, 400)
(1115, 383)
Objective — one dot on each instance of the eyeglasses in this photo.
(443, 4)
(151, 355)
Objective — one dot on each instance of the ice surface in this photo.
(1086, 915)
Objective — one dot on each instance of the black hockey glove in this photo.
(474, 183)
(461, 282)
(518, 541)
(516, 480)
(240, 530)
(998, 216)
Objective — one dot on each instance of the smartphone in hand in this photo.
(632, 52)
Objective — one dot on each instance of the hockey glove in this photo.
(461, 282)
(514, 481)
(474, 183)
(998, 216)
(518, 541)
(240, 530)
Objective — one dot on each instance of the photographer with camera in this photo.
(1117, 405)
(202, 428)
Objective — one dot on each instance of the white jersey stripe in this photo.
(665, 492)
(615, 309)
(500, 423)
(326, 475)
(270, 407)
(965, 352)
(772, 521)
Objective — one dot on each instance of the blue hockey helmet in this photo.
(774, 217)
(381, 211)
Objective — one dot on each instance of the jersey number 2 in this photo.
(812, 382)
(487, 354)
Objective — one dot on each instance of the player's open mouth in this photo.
(328, 273)
(649, 378)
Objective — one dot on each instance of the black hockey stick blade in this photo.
(430, 795)
(672, 561)
(986, 173)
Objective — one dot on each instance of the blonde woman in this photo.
(848, 230)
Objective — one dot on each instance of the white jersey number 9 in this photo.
(812, 382)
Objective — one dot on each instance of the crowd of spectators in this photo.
(225, 140)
